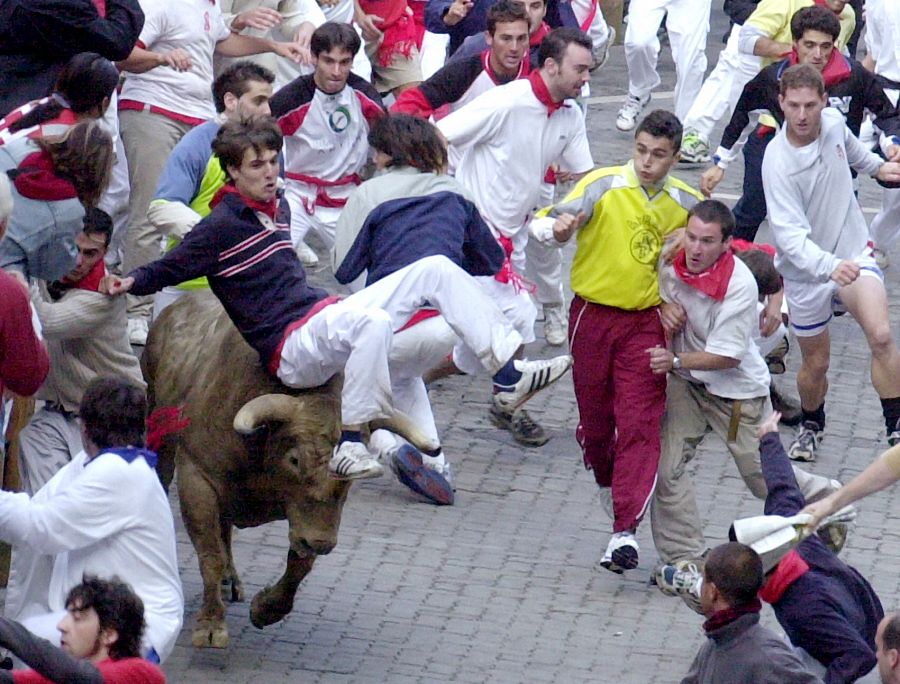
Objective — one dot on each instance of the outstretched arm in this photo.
(47, 660)
(784, 497)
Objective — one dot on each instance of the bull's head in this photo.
(301, 433)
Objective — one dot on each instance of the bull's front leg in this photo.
(201, 514)
(232, 587)
(273, 603)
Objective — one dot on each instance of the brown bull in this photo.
(253, 452)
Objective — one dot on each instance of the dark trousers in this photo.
(750, 211)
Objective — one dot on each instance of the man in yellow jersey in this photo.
(621, 216)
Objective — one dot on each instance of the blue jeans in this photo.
(750, 211)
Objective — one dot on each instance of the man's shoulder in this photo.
(295, 94)
(133, 670)
(742, 286)
(198, 137)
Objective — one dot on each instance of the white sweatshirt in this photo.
(815, 217)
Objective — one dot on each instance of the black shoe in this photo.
(521, 425)
(791, 414)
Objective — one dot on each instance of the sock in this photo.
(507, 376)
(350, 436)
(817, 416)
(435, 459)
(891, 410)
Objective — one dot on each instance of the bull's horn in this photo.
(265, 409)
(401, 424)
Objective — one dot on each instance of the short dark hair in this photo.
(714, 211)
(762, 266)
(236, 80)
(662, 124)
(409, 141)
(236, 137)
(555, 44)
(113, 412)
(98, 222)
(117, 607)
(890, 637)
(737, 572)
(801, 76)
(505, 11)
(334, 34)
(815, 18)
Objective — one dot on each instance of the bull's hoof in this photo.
(268, 607)
(210, 634)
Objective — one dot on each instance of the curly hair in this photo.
(117, 607)
(409, 141)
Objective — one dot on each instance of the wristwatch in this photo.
(676, 363)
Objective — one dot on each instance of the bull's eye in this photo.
(295, 461)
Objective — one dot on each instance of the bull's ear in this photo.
(268, 408)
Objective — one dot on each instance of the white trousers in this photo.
(323, 219)
(722, 88)
(598, 29)
(355, 335)
(885, 228)
(433, 52)
(687, 24)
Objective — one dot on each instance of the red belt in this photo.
(134, 105)
(322, 198)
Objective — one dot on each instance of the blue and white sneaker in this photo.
(432, 483)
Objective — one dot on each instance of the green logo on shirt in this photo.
(339, 119)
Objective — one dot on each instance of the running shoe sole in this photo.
(410, 471)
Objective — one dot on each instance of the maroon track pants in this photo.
(620, 402)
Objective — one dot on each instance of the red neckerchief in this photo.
(539, 88)
(729, 615)
(791, 568)
(524, 69)
(91, 281)
(268, 208)
(36, 179)
(837, 68)
(507, 274)
(535, 38)
(101, 8)
(713, 281)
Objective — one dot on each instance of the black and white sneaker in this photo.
(807, 442)
(621, 553)
(893, 437)
(352, 461)
(536, 376)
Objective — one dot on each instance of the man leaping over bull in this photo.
(303, 335)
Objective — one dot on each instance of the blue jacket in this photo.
(831, 611)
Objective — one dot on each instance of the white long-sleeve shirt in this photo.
(103, 517)
(815, 217)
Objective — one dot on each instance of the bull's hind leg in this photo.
(273, 603)
(232, 587)
(200, 512)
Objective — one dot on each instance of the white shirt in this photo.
(506, 142)
(883, 37)
(191, 25)
(725, 328)
(815, 217)
(103, 517)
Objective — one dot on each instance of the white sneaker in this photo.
(307, 256)
(621, 553)
(629, 113)
(137, 331)
(882, 260)
(556, 325)
(536, 376)
(352, 461)
(601, 54)
(682, 578)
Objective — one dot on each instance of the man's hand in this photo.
(457, 12)
(178, 59)
(770, 424)
(262, 18)
(893, 153)
(770, 316)
(114, 285)
(674, 242)
(661, 360)
(710, 179)
(846, 272)
(673, 317)
(368, 25)
(303, 36)
(566, 225)
(820, 510)
(296, 52)
(889, 172)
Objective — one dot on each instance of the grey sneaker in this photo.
(524, 429)
(694, 149)
(556, 324)
(682, 578)
(601, 54)
(807, 442)
(628, 115)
